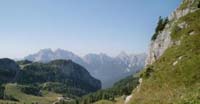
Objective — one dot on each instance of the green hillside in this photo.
(113, 95)
(14, 90)
(44, 83)
(175, 77)
(123, 87)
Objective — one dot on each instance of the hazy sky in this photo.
(80, 26)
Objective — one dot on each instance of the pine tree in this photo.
(160, 26)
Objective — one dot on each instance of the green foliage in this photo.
(160, 26)
(192, 20)
(147, 72)
(175, 83)
(186, 3)
(10, 98)
(123, 87)
(15, 91)
(2, 88)
(175, 30)
(31, 90)
(8, 70)
(64, 88)
(104, 102)
(60, 76)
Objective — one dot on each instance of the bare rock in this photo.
(178, 13)
(128, 98)
(158, 46)
(191, 33)
(174, 63)
(183, 25)
(163, 40)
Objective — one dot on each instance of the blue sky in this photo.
(80, 26)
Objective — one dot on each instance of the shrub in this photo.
(9, 97)
(123, 87)
(147, 72)
(1, 92)
(31, 90)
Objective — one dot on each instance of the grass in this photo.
(185, 4)
(192, 21)
(180, 83)
(104, 102)
(119, 100)
(8, 102)
(14, 90)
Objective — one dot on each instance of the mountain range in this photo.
(172, 71)
(106, 68)
(170, 76)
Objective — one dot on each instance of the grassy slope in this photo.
(179, 84)
(185, 4)
(123, 87)
(13, 89)
(104, 102)
(119, 100)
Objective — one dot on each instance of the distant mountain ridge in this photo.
(101, 66)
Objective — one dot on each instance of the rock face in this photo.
(159, 45)
(47, 55)
(101, 66)
(163, 41)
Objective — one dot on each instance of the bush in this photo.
(147, 72)
(2, 92)
(123, 87)
(31, 90)
(9, 97)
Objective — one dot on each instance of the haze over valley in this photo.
(100, 52)
(101, 66)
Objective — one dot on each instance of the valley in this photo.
(168, 74)
(100, 66)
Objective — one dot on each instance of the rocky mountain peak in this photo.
(100, 65)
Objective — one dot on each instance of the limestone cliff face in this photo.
(159, 45)
(163, 41)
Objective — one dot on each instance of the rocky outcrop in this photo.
(163, 41)
(187, 6)
(159, 45)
